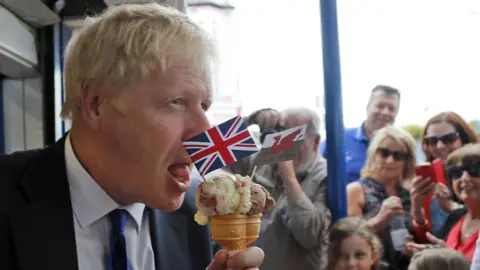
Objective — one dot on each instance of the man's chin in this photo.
(168, 204)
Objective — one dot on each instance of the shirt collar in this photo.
(360, 135)
(89, 201)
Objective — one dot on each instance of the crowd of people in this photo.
(384, 194)
(115, 192)
(440, 220)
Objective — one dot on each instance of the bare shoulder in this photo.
(355, 199)
(354, 188)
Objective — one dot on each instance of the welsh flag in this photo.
(281, 146)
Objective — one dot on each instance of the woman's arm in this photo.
(355, 199)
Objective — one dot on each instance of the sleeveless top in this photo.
(375, 193)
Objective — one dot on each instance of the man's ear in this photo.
(376, 256)
(91, 100)
(316, 142)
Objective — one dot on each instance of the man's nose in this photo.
(385, 110)
(196, 123)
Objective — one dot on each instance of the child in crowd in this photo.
(353, 245)
(439, 258)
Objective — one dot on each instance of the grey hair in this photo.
(313, 126)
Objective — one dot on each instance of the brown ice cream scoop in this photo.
(270, 202)
(260, 199)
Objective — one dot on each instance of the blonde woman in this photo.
(382, 192)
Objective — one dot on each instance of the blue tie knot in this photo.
(118, 218)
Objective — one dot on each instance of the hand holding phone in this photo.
(433, 170)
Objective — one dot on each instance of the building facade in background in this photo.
(216, 18)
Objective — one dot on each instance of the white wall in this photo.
(23, 114)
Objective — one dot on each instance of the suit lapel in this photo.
(43, 232)
(170, 243)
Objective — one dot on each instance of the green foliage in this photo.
(472, 124)
(415, 130)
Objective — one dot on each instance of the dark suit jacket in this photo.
(36, 220)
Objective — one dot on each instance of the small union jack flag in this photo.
(221, 145)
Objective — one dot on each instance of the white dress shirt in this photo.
(91, 205)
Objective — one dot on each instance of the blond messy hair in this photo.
(128, 43)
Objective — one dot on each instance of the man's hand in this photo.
(268, 119)
(286, 170)
(248, 259)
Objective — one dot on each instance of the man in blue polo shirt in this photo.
(382, 110)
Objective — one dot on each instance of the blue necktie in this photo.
(118, 260)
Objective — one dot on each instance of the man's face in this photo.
(309, 147)
(143, 130)
(382, 110)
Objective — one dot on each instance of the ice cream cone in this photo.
(253, 227)
(229, 231)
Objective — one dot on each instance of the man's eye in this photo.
(204, 107)
(177, 101)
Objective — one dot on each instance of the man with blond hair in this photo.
(115, 193)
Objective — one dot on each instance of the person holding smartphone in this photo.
(443, 134)
(461, 228)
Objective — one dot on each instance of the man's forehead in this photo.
(382, 96)
(188, 77)
(296, 120)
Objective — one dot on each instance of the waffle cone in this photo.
(229, 231)
(253, 228)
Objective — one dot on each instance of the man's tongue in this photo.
(179, 172)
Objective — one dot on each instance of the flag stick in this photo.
(253, 172)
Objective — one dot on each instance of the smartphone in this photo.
(438, 169)
(424, 170)
(433, 170)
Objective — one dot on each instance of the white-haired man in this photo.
(293, 234)
(105, 196)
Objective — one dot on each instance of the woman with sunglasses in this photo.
(443, 134)
(382, 195)
(460, 231)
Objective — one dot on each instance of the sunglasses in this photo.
(454, 172)
(445, 139)
(397, 155)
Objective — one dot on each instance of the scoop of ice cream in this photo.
(270, 202)
(261, 200)
(224, 195)
(258, 198)
(200, 218)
